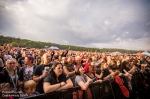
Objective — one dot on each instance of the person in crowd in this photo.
(96, 60)
(21, 59)
(64, 61)
(128, 68)
(56, 79)
(42, 71)
(88, 68)
(64, 53)
(56, 55)
(2, 57)
(39, 56)
(83, 81)
(9, 74)
(104, 72)
(26, 72)
(69, 69)
(78, 61)
(1, 64)
(29, 89)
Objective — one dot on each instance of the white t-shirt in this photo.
(28, 74)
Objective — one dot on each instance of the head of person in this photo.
(69, 61)
(29, 87)
(78, 60)
(41, 52)
(4, 87)
(113, 64)
(28, 60)
(131, 62)
(24, 52)
(125, 64)
(94, 58)
(104, 66)
(57, 69)
(64, 60)
(11, 64)
(46, 58)
(56, 54)
(88, 68)
(80, 71)
(93, 66)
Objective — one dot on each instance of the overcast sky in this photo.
(123, 24)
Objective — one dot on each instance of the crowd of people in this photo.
(33, 71)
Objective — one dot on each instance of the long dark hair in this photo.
(52, 73)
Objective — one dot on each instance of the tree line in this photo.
(37, 44)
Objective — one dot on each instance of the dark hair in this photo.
(55, 65)
(124, 63)
(52, 73)
(78, 72)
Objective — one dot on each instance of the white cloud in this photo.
(127, 32)
(87, 6)
(113, 36)
(107, 22)
(140, 44)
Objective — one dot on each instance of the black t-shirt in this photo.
(106, 72)
(51, 79)
(38, 72)
(93, 78)
(21, 61)
(63, 78)
(124, 67)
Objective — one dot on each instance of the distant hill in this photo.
(37, 44)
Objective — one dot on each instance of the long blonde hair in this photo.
(11, 59)
(42, 58)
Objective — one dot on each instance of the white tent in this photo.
(54, 48)
(146, 53)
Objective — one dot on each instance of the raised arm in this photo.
(67, 72)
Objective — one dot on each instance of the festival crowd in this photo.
(33, 71)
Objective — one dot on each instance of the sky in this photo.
(122, 24)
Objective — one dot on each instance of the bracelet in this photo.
(41, 77)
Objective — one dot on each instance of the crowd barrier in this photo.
(98, 90)
(105, 90)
